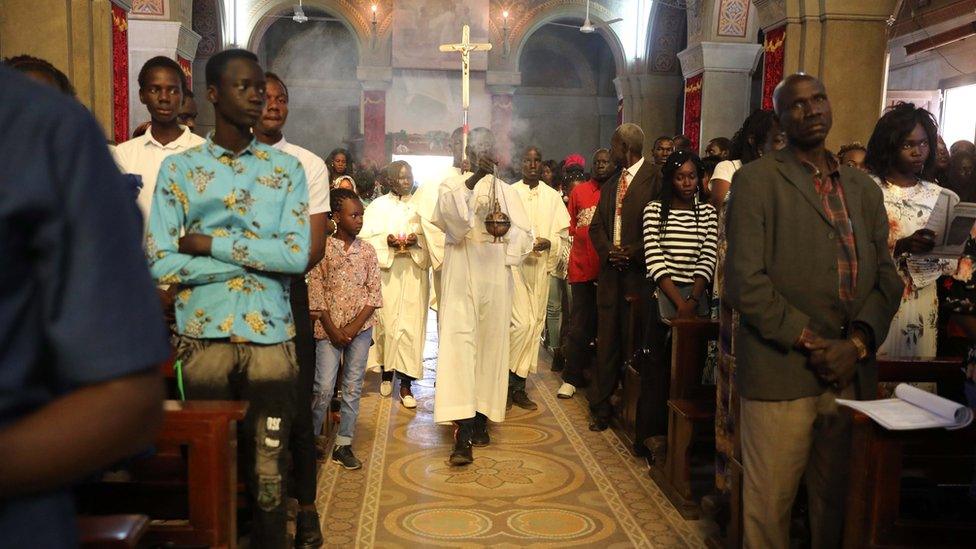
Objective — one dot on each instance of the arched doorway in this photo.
(567, 102)
(317, 61)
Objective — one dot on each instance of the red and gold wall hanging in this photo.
(374, 126)
(693, 110)
(187, 67)
(774, 57)
(120, 74)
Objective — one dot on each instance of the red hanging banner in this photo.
(774, 57)
(693, 110)
(374, 126)
(120, 74)
(187, 67)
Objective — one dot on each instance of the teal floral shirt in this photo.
(255, 207)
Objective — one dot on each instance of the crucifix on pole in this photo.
(465, 47)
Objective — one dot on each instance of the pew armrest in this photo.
(111, 531)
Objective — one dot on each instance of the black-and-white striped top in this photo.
(687, 246)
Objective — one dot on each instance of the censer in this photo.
(497, 222)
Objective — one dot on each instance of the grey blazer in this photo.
(781, 274)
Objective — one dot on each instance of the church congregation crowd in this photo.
(284, 278)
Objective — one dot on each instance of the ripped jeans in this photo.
(266, 377)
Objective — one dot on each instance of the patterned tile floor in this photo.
(545, 481)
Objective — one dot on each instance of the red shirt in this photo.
(584, 264)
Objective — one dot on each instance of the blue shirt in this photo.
(77, 304)
(255, 206)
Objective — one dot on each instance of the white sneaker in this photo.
(408, 401)
(566, 390)
(386, 388)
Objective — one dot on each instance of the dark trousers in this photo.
(302, 434)
(264, 376)
(582, 331)
(654, 362)
(614, 334)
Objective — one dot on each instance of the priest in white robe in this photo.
(425, 199)
(392, 226)
(550, 223)
(476, 298)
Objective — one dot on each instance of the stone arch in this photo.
(550, 11)
(343, 10)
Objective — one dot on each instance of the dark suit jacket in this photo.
(646, 186)
(781, 274)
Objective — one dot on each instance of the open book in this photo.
(913, 408)
(951, 222)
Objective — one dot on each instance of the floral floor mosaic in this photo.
(545, 481)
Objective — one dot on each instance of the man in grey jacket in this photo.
(808, 269)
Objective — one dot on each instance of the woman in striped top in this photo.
(680, 236)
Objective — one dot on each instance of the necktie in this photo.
(621, 191)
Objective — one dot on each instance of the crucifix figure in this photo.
(465, 47)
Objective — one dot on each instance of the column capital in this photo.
(719, 57)
(155, 35)
(374, 78)
(503, 82)
(772, 13)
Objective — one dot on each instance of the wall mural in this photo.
(420, 26)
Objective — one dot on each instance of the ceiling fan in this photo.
(299, 15)
(588, 27)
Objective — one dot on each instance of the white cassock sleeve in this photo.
(375, 231)
(558, 234)
(520, 238)
(453, 213)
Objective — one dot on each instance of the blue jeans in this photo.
(327, 358)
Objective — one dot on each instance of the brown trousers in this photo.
(782, 442)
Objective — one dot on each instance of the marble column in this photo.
(502, 85)
(845, 44)
(76, 37)
(149, 38)
(659, 95)
(375, 81)
(726, 81)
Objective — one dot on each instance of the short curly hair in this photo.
(27, 63)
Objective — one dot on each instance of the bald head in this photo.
(481, 142)
(785, 89)
(803, 110)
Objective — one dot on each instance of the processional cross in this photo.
(465, 47)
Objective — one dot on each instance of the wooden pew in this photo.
(879, 457)
(191, 502)
(867, 514)
(691, 411)
(628, 394)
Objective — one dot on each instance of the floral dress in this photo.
(915, 325)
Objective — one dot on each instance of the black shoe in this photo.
(558, 360)
(480, 437)
(462, 453)
(521, 399)
(343, 456)
(308, 534)
(599, 424)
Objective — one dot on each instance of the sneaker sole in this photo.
(346, 467)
